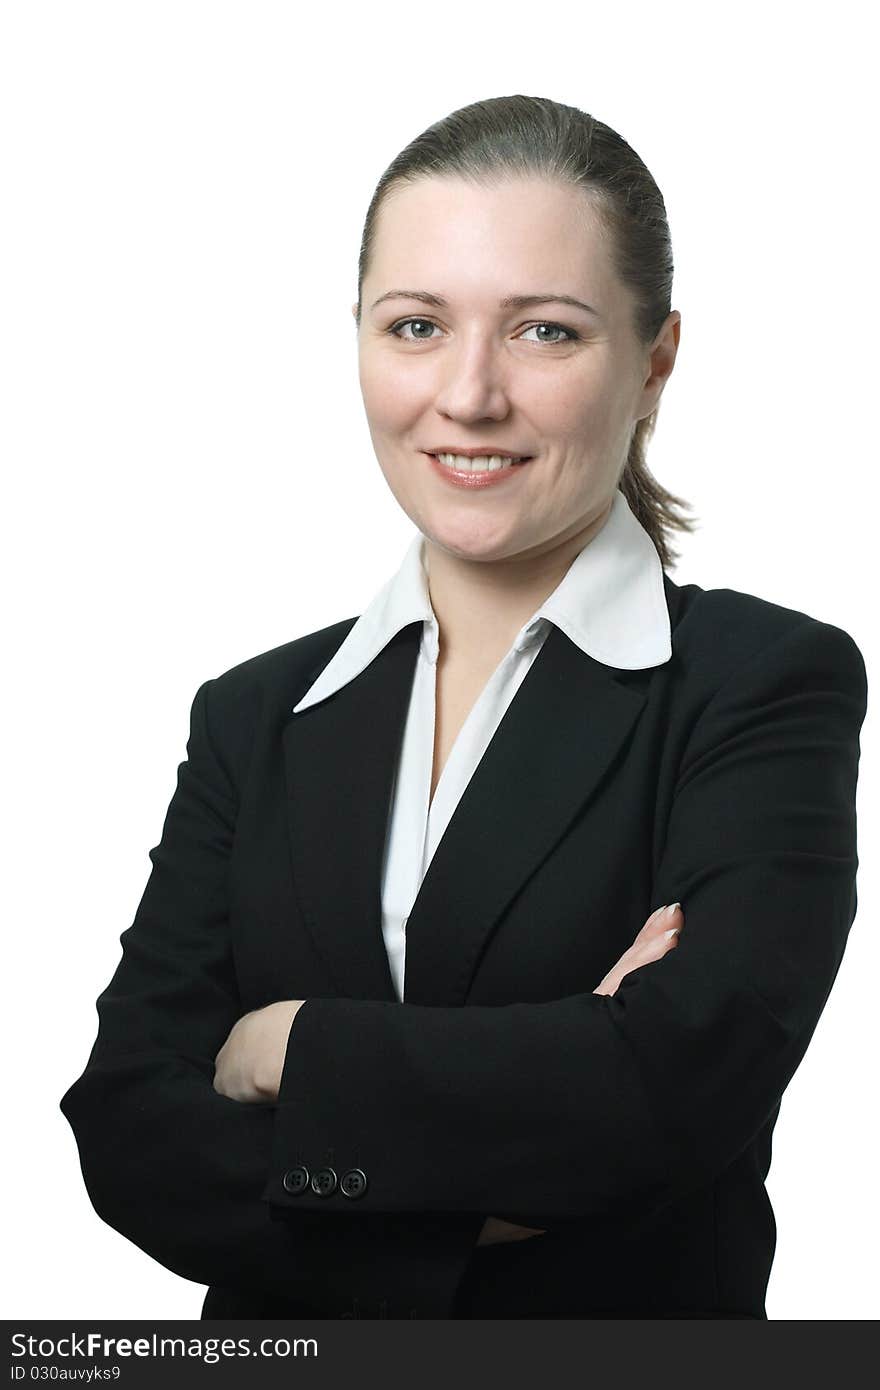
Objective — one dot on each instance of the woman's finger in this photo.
(652, 943)
(661, 920)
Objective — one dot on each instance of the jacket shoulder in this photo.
(261, 691)
(284, 668)
(718, 631)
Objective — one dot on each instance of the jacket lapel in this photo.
(563, 730)
(340, 758)
(557, 738)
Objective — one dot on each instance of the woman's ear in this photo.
(660, 363)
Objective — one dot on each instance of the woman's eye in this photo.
(423, 323)
(555, 328)
(571, 336)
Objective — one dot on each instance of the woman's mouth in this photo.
(476, 472)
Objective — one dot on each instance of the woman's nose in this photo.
(473, 386)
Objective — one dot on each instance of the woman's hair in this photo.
(520, 136)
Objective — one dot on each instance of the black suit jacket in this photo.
(635, 1128)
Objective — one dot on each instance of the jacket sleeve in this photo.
(586, 1105)
(167, 1161)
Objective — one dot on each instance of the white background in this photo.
(185, 451)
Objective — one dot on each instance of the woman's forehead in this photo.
(520, 197)
(451, 239)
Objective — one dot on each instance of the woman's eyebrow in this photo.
(511, 301)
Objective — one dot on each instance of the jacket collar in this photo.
(610, 603)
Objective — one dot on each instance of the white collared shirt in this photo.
(611, 602)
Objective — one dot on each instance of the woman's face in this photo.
(472, 372)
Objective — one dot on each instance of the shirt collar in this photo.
(611, 602)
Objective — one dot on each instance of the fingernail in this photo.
(673, 931)
(671, 908)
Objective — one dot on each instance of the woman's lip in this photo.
(484, 477)
(482, 453)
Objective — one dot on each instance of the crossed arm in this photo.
(250, 1063)
(248, 1066)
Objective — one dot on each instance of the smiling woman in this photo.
(481, 376)
(533, 986)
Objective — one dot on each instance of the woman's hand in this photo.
(248, 1066)
(497, 1232)
(652, 943)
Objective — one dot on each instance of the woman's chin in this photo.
(466, 543)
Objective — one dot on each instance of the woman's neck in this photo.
(481, 605)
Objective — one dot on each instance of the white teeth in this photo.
(477, 465)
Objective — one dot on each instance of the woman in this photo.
(354, 1061)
